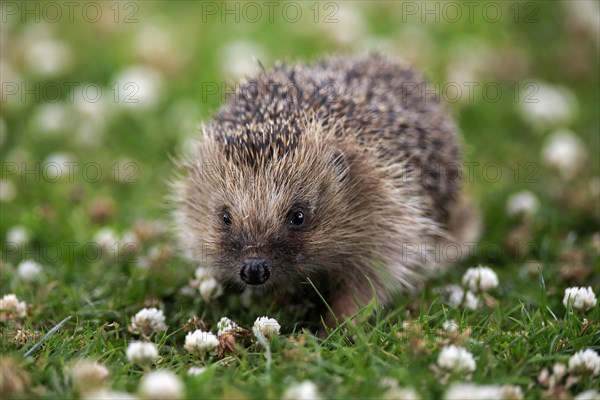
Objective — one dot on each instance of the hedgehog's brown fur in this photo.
(345, 140)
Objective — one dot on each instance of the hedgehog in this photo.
(336, 175)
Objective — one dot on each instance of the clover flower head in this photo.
(12, 308)
(582, 299)
(458, 297)
(224, 325)
(267, 327)
(466, 391)
(456, 359)
(200, 342)
(209, 289)
(147, 321)
(522, 203)
(480, 279)
(585, 362)
(88, 374)
(306, 390)
(28, 270)
(142, 353)
(196, 371)
(163, 385)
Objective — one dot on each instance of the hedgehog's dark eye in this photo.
(226, 218)
(297, 218)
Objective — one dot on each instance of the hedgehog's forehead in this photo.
(257, 144)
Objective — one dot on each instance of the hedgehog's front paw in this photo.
(345, 304)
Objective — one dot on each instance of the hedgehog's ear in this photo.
(338, 162)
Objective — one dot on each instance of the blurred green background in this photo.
(66, 70)
(97, 97)
(67, 94)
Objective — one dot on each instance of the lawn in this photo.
(97, 100)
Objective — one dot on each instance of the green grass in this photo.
(526, 330)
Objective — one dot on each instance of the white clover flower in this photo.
(200, 342)
(17, 235)
(88, 374)
(161, 385)
(202, 273)
(49, 57)
(106, 239)
(480, 279)
(239, 58)
(105, 394)
(388, 382)
(8, 191)
(209, 289)
(147, 321)
(224, 325)
(451, 327)
(458, 297)
(512, 392)
(267, 327)
(522, 203)
(465, 391)
(58, 166)
(91, 106)
(142, 353)
(196, 371)
(140, 88)
(584, 15)
(546, 106)
(580, 298)
(130, 240)
(471, 302)
(153, 41)
(12, 308)
(454, 293)
(156, 45)
(350, 25)
(585, 362)
(398, 393)
(469, 60)
(28, 270)
(53, 118)
(306, 390)
(456, 359)
(564, 151)
(559, 370)
(588, 395)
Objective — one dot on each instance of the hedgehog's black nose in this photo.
(255, 271)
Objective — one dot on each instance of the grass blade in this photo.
(47, 336)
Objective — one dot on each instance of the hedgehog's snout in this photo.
(255, 271)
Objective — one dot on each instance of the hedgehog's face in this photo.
(260, 245)
(268, 223)
(263, 238)
(265, 219)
